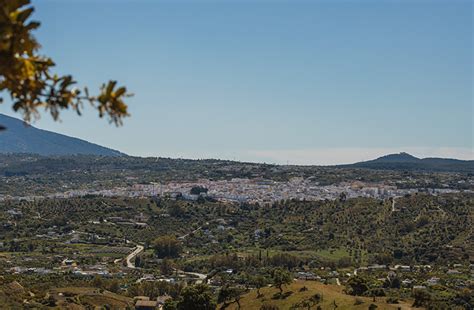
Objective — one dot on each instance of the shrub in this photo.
(375, 292)
(392, 300)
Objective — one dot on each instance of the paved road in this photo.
(132, 255)
(201, 276)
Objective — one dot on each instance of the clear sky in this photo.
(304, 82)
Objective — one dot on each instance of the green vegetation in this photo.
(347, 251)
(304, 293)
(239, 249)
(167, 246)
(281, 277)
(197, 297)
(23, 175)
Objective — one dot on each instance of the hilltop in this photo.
(405, 161)
(22, 138)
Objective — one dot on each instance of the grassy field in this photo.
(330, 294)
(333, 254)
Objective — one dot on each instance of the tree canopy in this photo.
(229, 293)
(167, 246)
(198, 297)
(28, 78)
(281, 277)
(357, 285)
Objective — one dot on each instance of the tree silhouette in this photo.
(28, 78)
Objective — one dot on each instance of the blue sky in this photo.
(307, 82)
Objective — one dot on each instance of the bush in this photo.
(375, 292)
(422, 298)
(392, 300)
(357, 285)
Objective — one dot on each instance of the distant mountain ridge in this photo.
(400, 157)
(21, 138)
(405, 161)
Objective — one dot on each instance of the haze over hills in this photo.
(21, 138)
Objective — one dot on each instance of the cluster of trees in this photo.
(353, 225)
(232, 260)
(463, 300)
(365, 228)
(357, 285)
(361, 286)
(167, 246)
(198, 297)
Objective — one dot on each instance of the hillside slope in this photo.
(21, 138)
(404, 161)
(330, 293)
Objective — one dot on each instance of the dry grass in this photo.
(87, 296)
(330, 294)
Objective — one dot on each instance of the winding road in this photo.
(132, 255)
(202, 277)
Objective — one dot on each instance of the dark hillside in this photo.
(21, 138)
